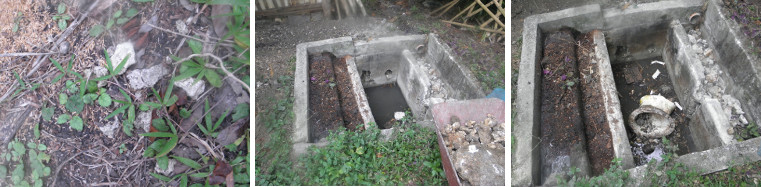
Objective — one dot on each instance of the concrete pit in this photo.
(412, 65)
(704, 68)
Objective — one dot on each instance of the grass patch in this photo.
(360, 158)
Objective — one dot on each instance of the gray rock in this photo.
(109, 128)
(193, 90)
(481, 166)
(121, 51)
(144, 78)
(143, 121)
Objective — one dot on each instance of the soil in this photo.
(599, 142)
(352, 117)
(562, 127)
(746, 15)
(324, 107)
(332, 101)
(629, 95)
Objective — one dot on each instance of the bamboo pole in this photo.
(489, 12)
(471, 26)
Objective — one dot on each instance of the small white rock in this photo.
(193, 90)
(143, 78)
(121, 51)
(168, 170)
(144, 121)
(109, 128)
(398, 115)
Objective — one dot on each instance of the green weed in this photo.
(19, 156)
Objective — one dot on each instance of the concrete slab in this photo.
(735, 58)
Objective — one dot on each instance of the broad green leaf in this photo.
(47, 113)
(42, 147)
(184, 180)
(131, 13)
(61, 8)
(92, 87)
(187, 74)
(127, 127)
(89, 98)
(213, 78)
(37, 130)
(117, 14)
(63, 118)
(171, 101)
(104, 100)
(121, 21)
(117, 111)
(131, 113)
(63, 99)
(241, 111)
(121, 65)
(195, 45)
(31, 145)
(159, 135)
(170, 144)
(109, 24)
(75, 103)
(160, 125)
(96, 30)
(62, 24)
(76, 123)
(163, 162)
(3, 171)
(168, 94)
(184, 113)
(188, 162)
(159, 176)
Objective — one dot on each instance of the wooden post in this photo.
(326, 9)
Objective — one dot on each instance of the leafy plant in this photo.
(129, 108)
(241, 111)
(23, 85)
(16, 22)
(35, 157)
(61, 16)
(197, 66)
(168, 100)
(210, 127)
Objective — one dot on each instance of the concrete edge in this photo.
(735, 35)
(361, 99)
(570, 17)
(526, 135)
(301, 89)
(614, 116)
(471, 79)
(708, 161)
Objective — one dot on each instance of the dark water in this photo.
(384, 100)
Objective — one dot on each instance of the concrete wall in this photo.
(735, 59)
(414, 83)
(619, 26)
(457, 78)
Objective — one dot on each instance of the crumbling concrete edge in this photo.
(362, 105)
(471, 88)
(339, 46)
(621, 147)
(708, 161)
(723, 34)
(525, 159)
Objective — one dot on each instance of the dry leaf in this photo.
(220, 22)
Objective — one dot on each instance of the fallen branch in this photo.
(26, 54)
(206, 145)
(58, 169)
(226, 43)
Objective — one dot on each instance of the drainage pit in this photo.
(712, 79)
(385, 100)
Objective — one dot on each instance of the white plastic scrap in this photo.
(657, 62)
(677, 105)
(657, 72)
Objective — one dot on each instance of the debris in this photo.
(147, 26)
(398, 115)
(657, 72)
(121, 51)
(144, 78)
(657, 62)
(678, 106)
(191, 87)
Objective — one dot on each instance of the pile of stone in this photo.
(477, 150)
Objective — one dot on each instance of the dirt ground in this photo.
(90, 157)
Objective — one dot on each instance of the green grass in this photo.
(360, 158)
(350, 158)
(490, 79)
(671, 173)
